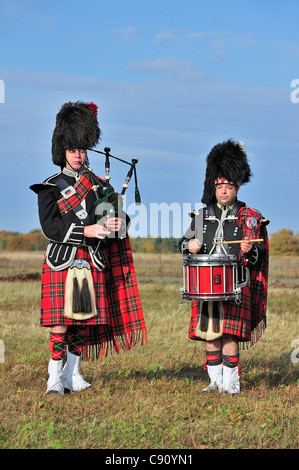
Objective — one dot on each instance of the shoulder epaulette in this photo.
(46, 183)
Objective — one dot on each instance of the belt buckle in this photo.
(81, 214)
(80, 263)
(68, 192)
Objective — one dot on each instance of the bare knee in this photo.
(59, 329)
(230, 345)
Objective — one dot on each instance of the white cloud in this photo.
(168, 124)
(247, 41)
(127, 32)
(29, 11)
(197, 35)
(171, 66)
(164, 36)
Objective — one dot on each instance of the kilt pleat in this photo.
(245, 320)
(128, 328)
(53, 290)
(119, 323)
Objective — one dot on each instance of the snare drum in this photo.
(210, 277)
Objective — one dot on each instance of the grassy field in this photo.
(149, 398)
(20, 264)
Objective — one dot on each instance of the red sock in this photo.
(75, 339)
(213, 358)
(57, 346)
(231, 361)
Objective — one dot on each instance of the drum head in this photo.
(209, 259)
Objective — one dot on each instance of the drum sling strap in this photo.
(237, 205)
(211, 317)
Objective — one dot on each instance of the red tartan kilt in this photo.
(53, 290)
(119, 323)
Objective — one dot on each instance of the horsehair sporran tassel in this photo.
(204, 317)
(216, 318)
(80, 303)
(210, 322)
(76, 295)
(86, 305)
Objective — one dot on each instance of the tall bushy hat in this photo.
(76, 128)
(228, 162)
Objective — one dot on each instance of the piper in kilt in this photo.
(89, 297)
(226, 324)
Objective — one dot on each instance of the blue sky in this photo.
(171, 80)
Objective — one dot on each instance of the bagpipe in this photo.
(80, 297)
(109, 203)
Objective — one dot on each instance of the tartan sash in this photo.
(82, 188)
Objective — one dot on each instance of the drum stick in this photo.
(240, 241)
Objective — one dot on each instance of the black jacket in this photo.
(231, 231)
(65, 233)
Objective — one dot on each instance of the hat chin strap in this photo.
(74, 169)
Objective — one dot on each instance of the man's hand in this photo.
(194, 245)
(96, 231)
(246, 245)
(113, 224)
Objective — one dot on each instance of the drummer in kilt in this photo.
(89, 295)
(225, 325)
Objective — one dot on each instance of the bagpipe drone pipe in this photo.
(109, 203)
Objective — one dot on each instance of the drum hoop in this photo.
(208, 260)
(209, 257)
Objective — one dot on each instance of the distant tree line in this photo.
(15, 241)
(283, 243)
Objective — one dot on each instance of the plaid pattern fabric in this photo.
(75, 339)
(57, 346)
(127, 325)
(119, 323)
(82, 187)
(52, 295)
(246, 320)
(250, 222)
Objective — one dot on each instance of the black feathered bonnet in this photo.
(76, 128)
(226, 161)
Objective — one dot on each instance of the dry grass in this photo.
(149, 398)
(147, 265)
